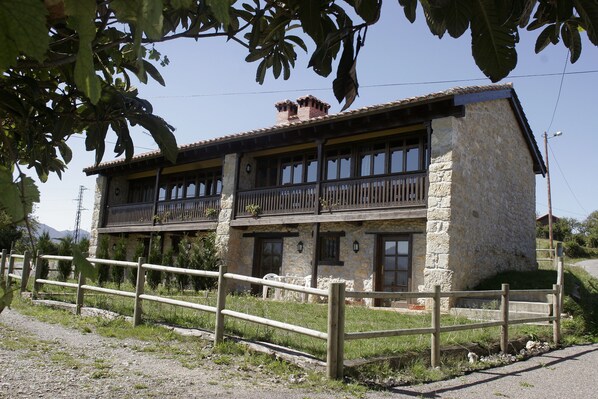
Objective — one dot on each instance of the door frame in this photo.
(257, 256)
(379, 264)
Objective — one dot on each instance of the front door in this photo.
(393, 266)
(268, 257)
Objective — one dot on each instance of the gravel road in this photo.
(39, 360)
(591, 266)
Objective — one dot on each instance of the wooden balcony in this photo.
(170, 212)
(369, 193)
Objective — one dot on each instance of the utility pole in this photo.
(548, 184)
(79, 210)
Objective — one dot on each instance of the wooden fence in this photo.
(335, 334)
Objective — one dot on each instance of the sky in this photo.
(211, 91)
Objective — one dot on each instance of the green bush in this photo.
(120, 253)
(102, 253)
(65, 248)
(139, 250)
(167, 258)
(154, 277)
(45, 246)
(204, 257)
(574, 250)
(183, 260)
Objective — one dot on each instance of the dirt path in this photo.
(591, 266)
(39, 360)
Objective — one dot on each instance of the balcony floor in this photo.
(194, 226)
(348, 216)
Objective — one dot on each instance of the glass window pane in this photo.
(389, 278)
(402, 263)
(218, 186)
(297, 173)
(286, 175)
(190, 190)
(312, 170)
(202, 189)
(412, 159)
(390, 263)
(162, 193)
(390, 247)
(403, 247)
(331, 169)
(345, 167)
(401, 279)
(366, 169)
(396, 161)
(379, 161)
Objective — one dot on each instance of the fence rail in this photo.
(335, 335)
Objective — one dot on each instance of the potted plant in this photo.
(210, 213)
(253, 209)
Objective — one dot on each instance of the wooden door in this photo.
(268, 257)
(393, 271)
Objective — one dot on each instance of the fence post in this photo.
(341, 330)
(139, 288)
(560, 272)
(11, 268)
(332, 358)
(220, 306)
(504, 310)
(25, 271)
(556, 311)
(435, 349)
(3, 263)
(37, 275)
(80, 293)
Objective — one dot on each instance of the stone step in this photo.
(514, 306)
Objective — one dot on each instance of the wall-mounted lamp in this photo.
(300, 246)
(248, 168)
(355, 246)
(188, 246)
(117, 191)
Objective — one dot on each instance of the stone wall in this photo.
(481, 204)
(97, 214)
(357, 269)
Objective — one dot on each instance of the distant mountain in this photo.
(55, 234)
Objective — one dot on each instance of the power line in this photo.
(566, 182)
(430, 82)
(558, 97)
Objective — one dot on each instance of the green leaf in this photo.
(160, 131)
(181, 4)
(153, 72)
(17, 198)
(410, 8)
(435, 18)
(588, 12)
(82, 265)
(309, 14)
(22, 30)
(368, 10)
(345, 85)
(492, 41)
(544, 38)
(145, 15)
(458, 15)
(572, 40)
(81, 17)
(220, 8)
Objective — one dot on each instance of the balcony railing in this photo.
(380, 192)
(180, 211)
(190, 210)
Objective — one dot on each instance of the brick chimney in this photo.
(287, 112)
(311, 107)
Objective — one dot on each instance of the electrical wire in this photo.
(558, 97)
(430, 82)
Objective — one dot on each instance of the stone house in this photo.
(437, 189)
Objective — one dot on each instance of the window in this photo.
(373, 160)
(190, 185)
(141, 190)
(288, 169)
(329, 251)
(338, 164)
